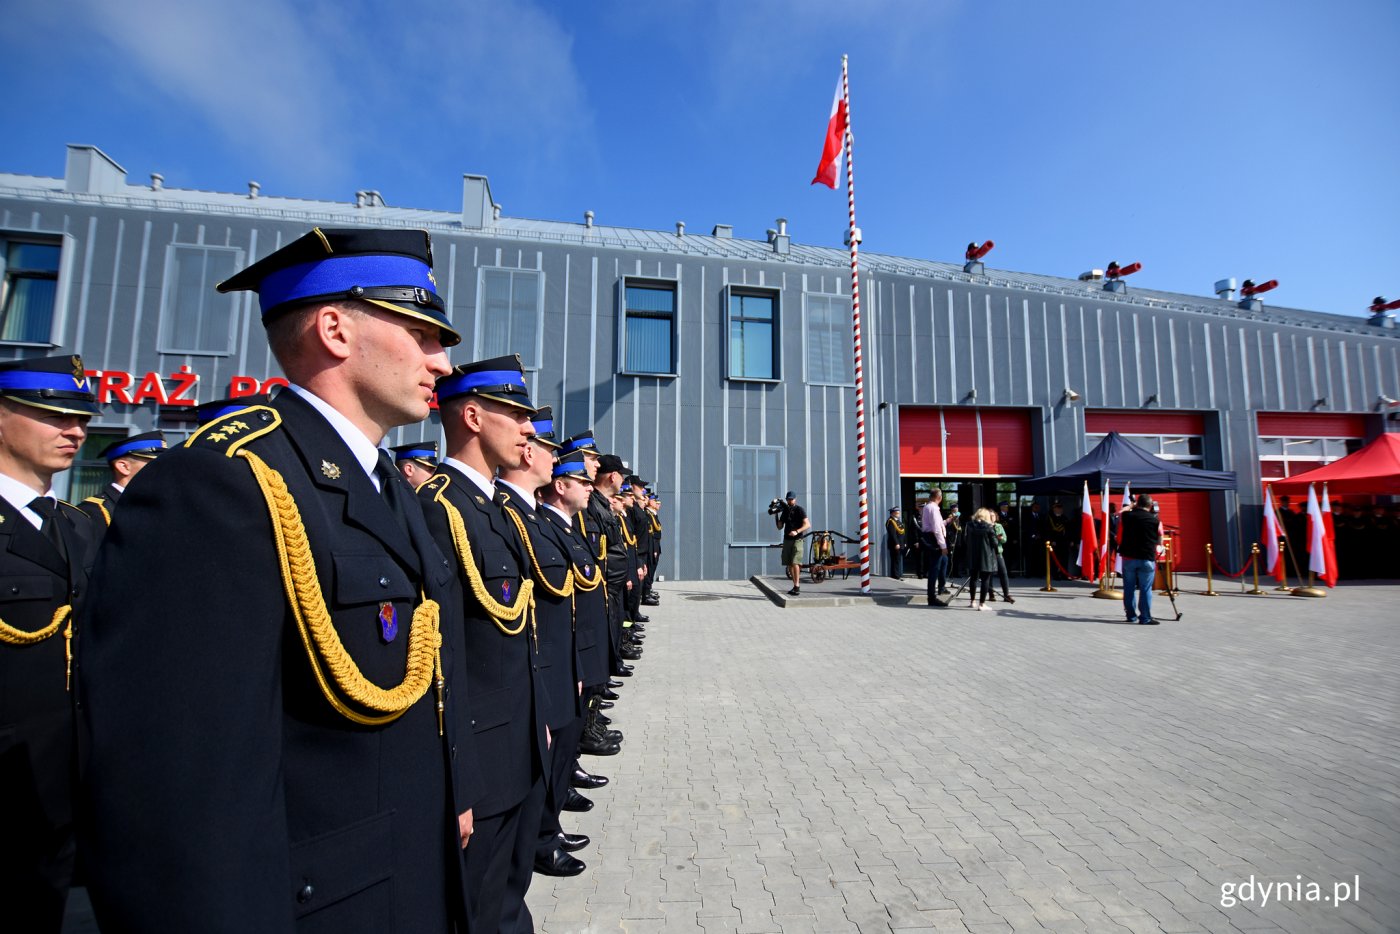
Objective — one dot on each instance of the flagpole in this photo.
(853, 237)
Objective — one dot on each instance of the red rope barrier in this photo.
(1064, 570)
(1225, 573)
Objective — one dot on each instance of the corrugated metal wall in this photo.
(927, 343)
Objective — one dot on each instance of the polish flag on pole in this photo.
(1088, 539)
(1103, 538)
(830, 165)
(1322, 559)
(1127, 504)
(1273, 558)
(1331, 540)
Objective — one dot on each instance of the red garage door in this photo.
(964, 442)
(1177, 435)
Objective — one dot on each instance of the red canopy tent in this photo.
(1374, 469)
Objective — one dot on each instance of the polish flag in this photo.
(1103, 539)
(1331, 541)
(1088, 539)
(1322, 557)
(835, 137)
(1273, 558)
(1127, 504)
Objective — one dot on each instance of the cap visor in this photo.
(449, 337)
(62, 406)
(514, 403)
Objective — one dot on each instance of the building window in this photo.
(90, 471)
(753, 329)
(828, 340)
(512, 315)
(649, 327)
(1284, 457)
(193, 317)
(29, 290)
(756, 476)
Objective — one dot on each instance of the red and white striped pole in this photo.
(853, 235)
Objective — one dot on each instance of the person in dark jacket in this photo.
(45, 405)
(895, 544)
(262, 668)
(1142, 537)
(981, 550)
(125, 459)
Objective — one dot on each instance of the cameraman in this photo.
(795, 524)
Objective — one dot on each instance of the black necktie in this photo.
(391, 488)
(48, 509)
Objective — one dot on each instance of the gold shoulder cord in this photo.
(97, 501)
(64, 614)
(627, 535)
(524, 600)
(564, 590)
(324, 649)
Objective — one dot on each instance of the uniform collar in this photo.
(364, 449)
(519, 491)
(568, 519)
(20, 496)
(483, 483)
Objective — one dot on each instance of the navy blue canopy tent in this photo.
(1118, 461)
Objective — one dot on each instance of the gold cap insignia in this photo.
(331, 471)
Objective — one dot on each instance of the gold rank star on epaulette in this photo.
(236, 429)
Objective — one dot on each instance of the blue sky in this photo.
(1203, 139)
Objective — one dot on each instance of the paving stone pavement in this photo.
(1036, 767)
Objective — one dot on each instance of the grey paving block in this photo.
(871, 768)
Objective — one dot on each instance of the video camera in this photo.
(778, 509)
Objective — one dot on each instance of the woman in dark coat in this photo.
(981, 544)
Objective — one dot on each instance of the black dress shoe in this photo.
(605, 705)
(604, 734)
(597, 746)
(625, 673)
(629, 653)
(638, 627)
(577, 802)
(604, 720)
(612, 684)
(624, 667)
(559, 863)
(582, 779)
(639, 618)
(572, 842)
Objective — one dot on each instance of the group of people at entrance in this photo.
(980, 545)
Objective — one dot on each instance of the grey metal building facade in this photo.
(719, 367)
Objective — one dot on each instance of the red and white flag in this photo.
(1331, 541)
(835, 138)
(1103, 535)
(1322, 559)
(1273, 557)
(1127, 504)
(1088, 539)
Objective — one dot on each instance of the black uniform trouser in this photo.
(615, 614)
(565, 758)
(488, 864)
(37, 852)
(634, 600)
(896, 561)
(515, 914)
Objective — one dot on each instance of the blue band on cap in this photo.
(336, 274)
(578, 444)
(570, 469)
(130, 447)
(411, 453)
(30, 381)
(466, 382)
(544, 427)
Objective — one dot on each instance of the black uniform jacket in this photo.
(504, 699)
(555, 659)
(226, 792)
(36, 707)
(590, 610)
(99, 508)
